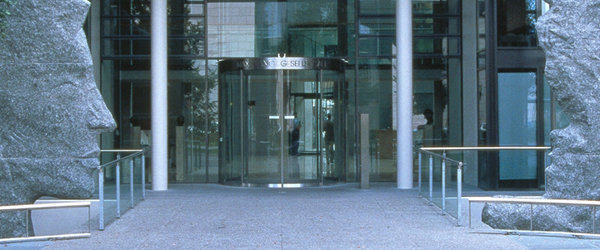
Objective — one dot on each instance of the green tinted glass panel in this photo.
(437, 25)
(377, 26)
(376, 46)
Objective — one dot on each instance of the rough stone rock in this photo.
(570, 35)
(51, 111)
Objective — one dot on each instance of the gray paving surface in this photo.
(339, 217)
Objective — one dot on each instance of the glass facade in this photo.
(515, 104)
(192, 88)
(361, 32)
(282, 126)
(437, 77)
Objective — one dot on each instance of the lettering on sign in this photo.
(292, 63)
(276, 63)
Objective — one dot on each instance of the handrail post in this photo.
(101, 198)
(90, 219)
(459, 192)
(131, 182)
(118, 186)
(459, 173)
(531, 221)
(143, 175)
(594, 220)
(444, 182)
(430, 178)
(546, 152)
(27, 213)
(419, 172)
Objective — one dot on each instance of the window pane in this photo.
(377, 7)
(377, 26)
(376, 46)
(442, 45)
(430, 25)
(517, 124)
(516, 23)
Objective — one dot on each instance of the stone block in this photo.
(51, 109)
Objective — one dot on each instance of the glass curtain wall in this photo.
(515, 103)
(203, 32)
(294, 28)
(192, 84)
(200, 33)
(437, 77)
(280, 126)
(265, 28)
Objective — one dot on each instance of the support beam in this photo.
(159, 95)
(404, 78)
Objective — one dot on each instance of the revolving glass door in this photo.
(282, 126)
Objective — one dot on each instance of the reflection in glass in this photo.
(516, 23)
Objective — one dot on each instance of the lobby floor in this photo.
(207, 216)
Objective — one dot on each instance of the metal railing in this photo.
(116, 164)
(539, 201)
(459, 170)
(30, 207)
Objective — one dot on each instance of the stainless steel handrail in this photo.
(44, 206)
(30, 207)
(486, 148)
(134, 153)
(531, 202)
(459, 169)
(121, 150)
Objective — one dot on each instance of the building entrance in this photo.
(282, 121)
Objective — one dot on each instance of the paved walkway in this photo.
(339, 217)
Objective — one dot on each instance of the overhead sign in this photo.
(282, 63)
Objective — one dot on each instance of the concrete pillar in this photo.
(159, 95)
(469, 89)
(404, 75)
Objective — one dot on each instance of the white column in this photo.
(159, 95)
(404, 75)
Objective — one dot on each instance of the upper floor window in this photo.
(516, 23)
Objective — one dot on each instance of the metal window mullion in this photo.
(118, 186)
(444, 183)
(320, 127)
(131, 198)
(143, 175)
(243, 163)
(419, 178)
